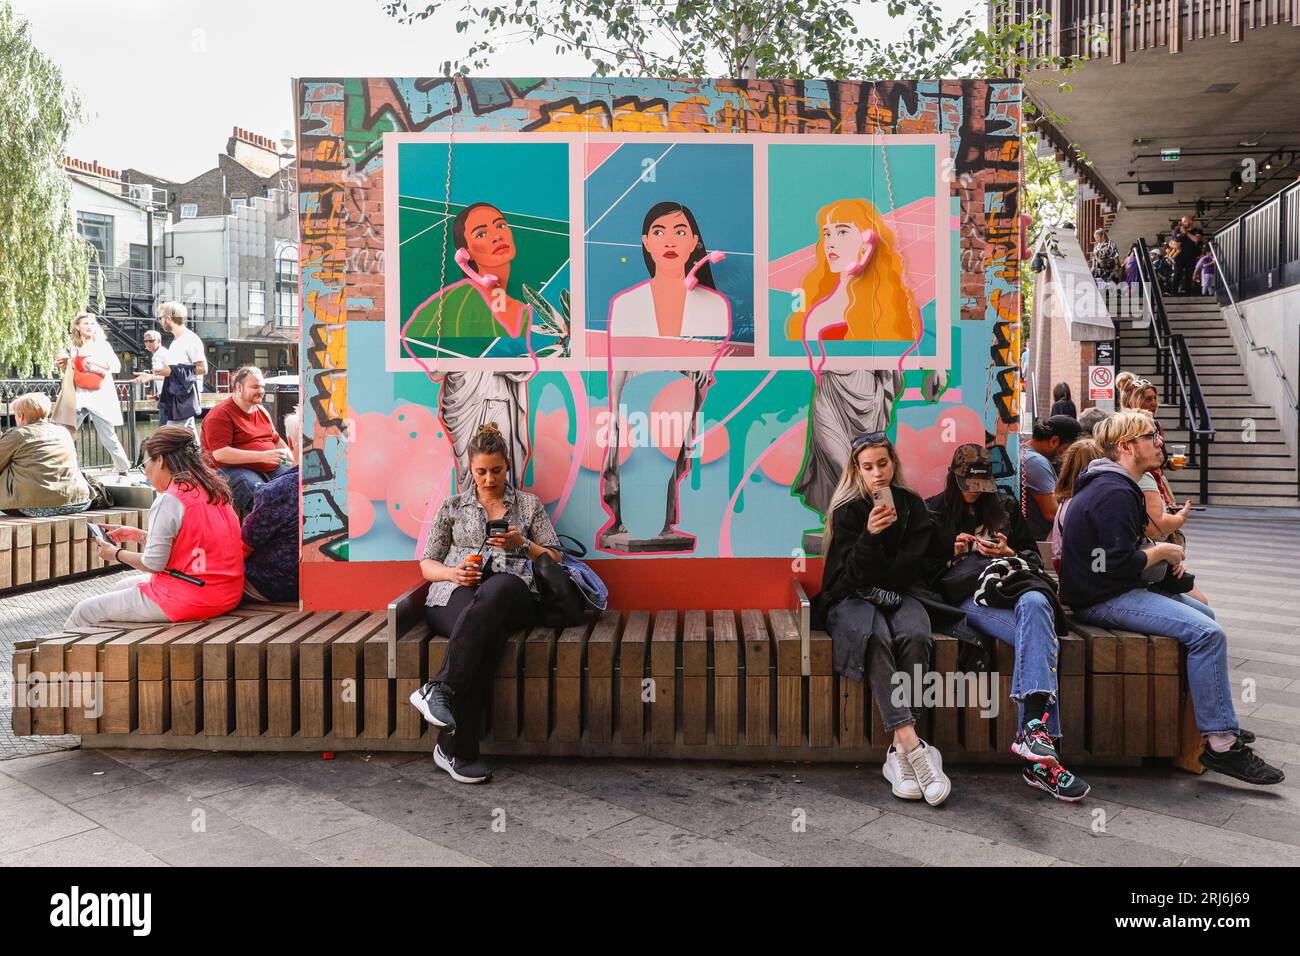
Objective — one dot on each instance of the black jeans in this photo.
(477, 622)
(897, 641)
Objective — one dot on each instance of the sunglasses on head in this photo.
(871, 438)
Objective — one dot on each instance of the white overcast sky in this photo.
(164, 81)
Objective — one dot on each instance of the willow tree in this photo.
(44, 263)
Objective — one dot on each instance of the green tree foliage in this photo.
(740, 38)
(770, 39)
(44, 264)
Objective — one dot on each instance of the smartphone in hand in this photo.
(97, 533)
(882, 496)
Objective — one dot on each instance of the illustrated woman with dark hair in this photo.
(477, 558)
(679, 301)
(476, 306)
(193, 530)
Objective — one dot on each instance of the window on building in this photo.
(97, 229)
(238, 202)
(140, 283)
(256, 303)
(286, 291)
(189, 210)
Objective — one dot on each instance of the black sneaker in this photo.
(1035, 744)
(1246, 736)
(433, 700)
(1243, 763)
(462, 771)
(1057, 781)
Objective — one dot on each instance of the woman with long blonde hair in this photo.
(878, 544)
(856, 290)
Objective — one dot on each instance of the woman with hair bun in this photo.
(193, 531)
(477, 560)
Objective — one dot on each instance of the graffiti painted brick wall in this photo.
(678, 299)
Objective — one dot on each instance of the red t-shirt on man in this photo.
(229, 426)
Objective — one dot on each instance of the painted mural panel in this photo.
(678, 300)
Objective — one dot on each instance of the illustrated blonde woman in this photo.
(856, 291)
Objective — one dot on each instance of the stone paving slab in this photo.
(194, 808)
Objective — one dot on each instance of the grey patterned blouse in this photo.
(460, 529)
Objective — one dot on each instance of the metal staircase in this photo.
(1187, 352)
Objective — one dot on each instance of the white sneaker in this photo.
(899, 774)
(927, 766)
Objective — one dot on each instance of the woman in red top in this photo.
(192, 529)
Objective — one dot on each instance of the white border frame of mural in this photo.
(578, 360)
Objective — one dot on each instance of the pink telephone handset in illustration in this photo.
(462, 260)
(692, 280)
(869, 240)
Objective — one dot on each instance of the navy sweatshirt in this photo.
(1107, 514)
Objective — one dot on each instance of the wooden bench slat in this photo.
(539, 657)
(758, 678)
(695, 678)
(789, 677)
(601, 647)
(570, 649)
(632, 651)
(726, 679)
(663, 673)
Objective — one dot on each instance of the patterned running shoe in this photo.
(1057, 781)
(1034, 743)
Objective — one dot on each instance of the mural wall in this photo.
(678, 300)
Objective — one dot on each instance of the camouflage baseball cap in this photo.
(972, 466)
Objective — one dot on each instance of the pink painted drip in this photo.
(579, 390)
(724, 536)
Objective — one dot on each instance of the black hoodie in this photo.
(858, 561)
(1099, 540)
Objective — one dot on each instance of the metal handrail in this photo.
(1192, 406)
(1278, 369)
(1174, 364)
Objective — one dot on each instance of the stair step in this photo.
(1258, 501)
(1278, 489)
(1254, 476)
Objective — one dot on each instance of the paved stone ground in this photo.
(161, 808)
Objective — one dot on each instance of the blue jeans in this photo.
(1192, 624)
(1031, 629)
(245, 481)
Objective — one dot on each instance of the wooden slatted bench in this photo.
(49, 550)
(716, 685)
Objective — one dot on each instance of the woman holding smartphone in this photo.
(972, 517)
(878, 539)
(476, 600)
(193, 532)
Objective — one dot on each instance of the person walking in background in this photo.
(1105, 257)
(39, 477)
(1131, 265)
(1204, 272)
(159, 374)
(240, 439)
(94, 365)
(186, 347)
(192, 530)
(270, 531)
(1062, 403)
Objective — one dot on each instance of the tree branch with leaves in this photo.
(44, 263)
